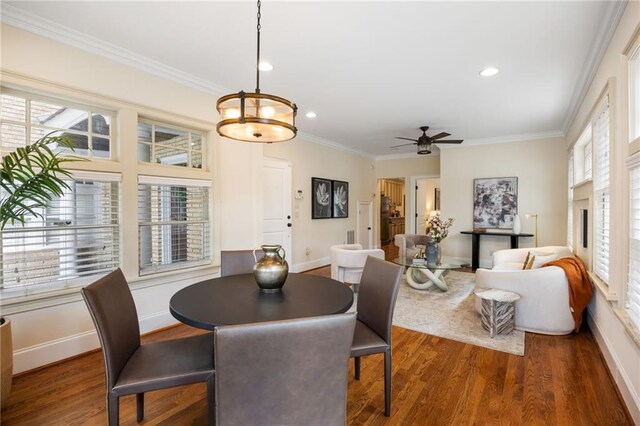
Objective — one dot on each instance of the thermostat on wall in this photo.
(299, 194)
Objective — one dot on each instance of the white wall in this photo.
(314, 160)
(620, 350)
(541, 169)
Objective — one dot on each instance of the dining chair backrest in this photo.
(283, 372)
(377, 295)
(236, 262)
(114, 314)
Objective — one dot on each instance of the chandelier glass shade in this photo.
(256, 116)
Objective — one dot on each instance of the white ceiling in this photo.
(371, 70)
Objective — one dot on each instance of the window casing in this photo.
(570, 180)
(602, 194)
(25, 118)
(77, 238)
(634, 95)
(632, 299)
(173, 223)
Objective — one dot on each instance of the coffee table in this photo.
(423, 276)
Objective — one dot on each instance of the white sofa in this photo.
(544, 293)
(347, 261)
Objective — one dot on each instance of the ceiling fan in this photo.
(424, 142)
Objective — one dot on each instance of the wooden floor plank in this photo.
(436, 381)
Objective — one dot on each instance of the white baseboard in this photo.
(621, 379)
(56, 350)
(312, 264)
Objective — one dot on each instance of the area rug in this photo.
(450, 314)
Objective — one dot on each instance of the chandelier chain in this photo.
(258, 51)
(259, 15)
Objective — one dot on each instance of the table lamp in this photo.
(535, 232)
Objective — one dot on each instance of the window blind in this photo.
(77, 237)
(174, 226)
(633, 280)
(601, 203)
(570, 180)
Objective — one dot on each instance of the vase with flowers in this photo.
(437, 230)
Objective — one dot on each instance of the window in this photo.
(163, 144)
(76, 237)
(601, 195)
(570, 201)
(25, 119)
(633, 279)
(582, 155)
(173, 219)
(634, 95)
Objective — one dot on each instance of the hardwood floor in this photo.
(560, 380)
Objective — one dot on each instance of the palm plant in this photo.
(31, 177)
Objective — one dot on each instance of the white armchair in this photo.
(544, 293)
(347, 261)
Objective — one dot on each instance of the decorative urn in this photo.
(271, 270)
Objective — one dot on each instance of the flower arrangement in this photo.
(437, 228)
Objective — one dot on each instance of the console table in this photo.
(475, 243)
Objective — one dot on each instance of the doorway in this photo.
(392, 213)
(277, 203)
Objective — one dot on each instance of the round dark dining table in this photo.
(237, 299)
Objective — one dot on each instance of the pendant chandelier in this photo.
(256, 117)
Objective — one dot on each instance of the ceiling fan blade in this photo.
(404, 144)
(450, 141)
(440, 135)
(407, 139)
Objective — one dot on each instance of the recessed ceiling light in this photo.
(488, 72)
(265, 66)
(311, 114)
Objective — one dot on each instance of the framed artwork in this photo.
(320, 198)
(436, 199)
(340, 199)
(495, 202)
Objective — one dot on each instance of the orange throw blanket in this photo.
(579, 285)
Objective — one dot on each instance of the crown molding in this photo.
(335, 145)
(27, 21)
(552, 134)
(606, 31)
(405, 155)
(485, 141)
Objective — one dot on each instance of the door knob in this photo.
(289, 225)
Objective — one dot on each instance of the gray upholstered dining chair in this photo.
(290, 372)
(132, 368)
(236, 262)
(376, 300)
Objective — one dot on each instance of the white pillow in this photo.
(542, 258)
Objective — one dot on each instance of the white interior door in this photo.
(277, 204)
(365, 224)
(421, 206)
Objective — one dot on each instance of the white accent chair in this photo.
(407, 244)
(544, 292)
(347, 261)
